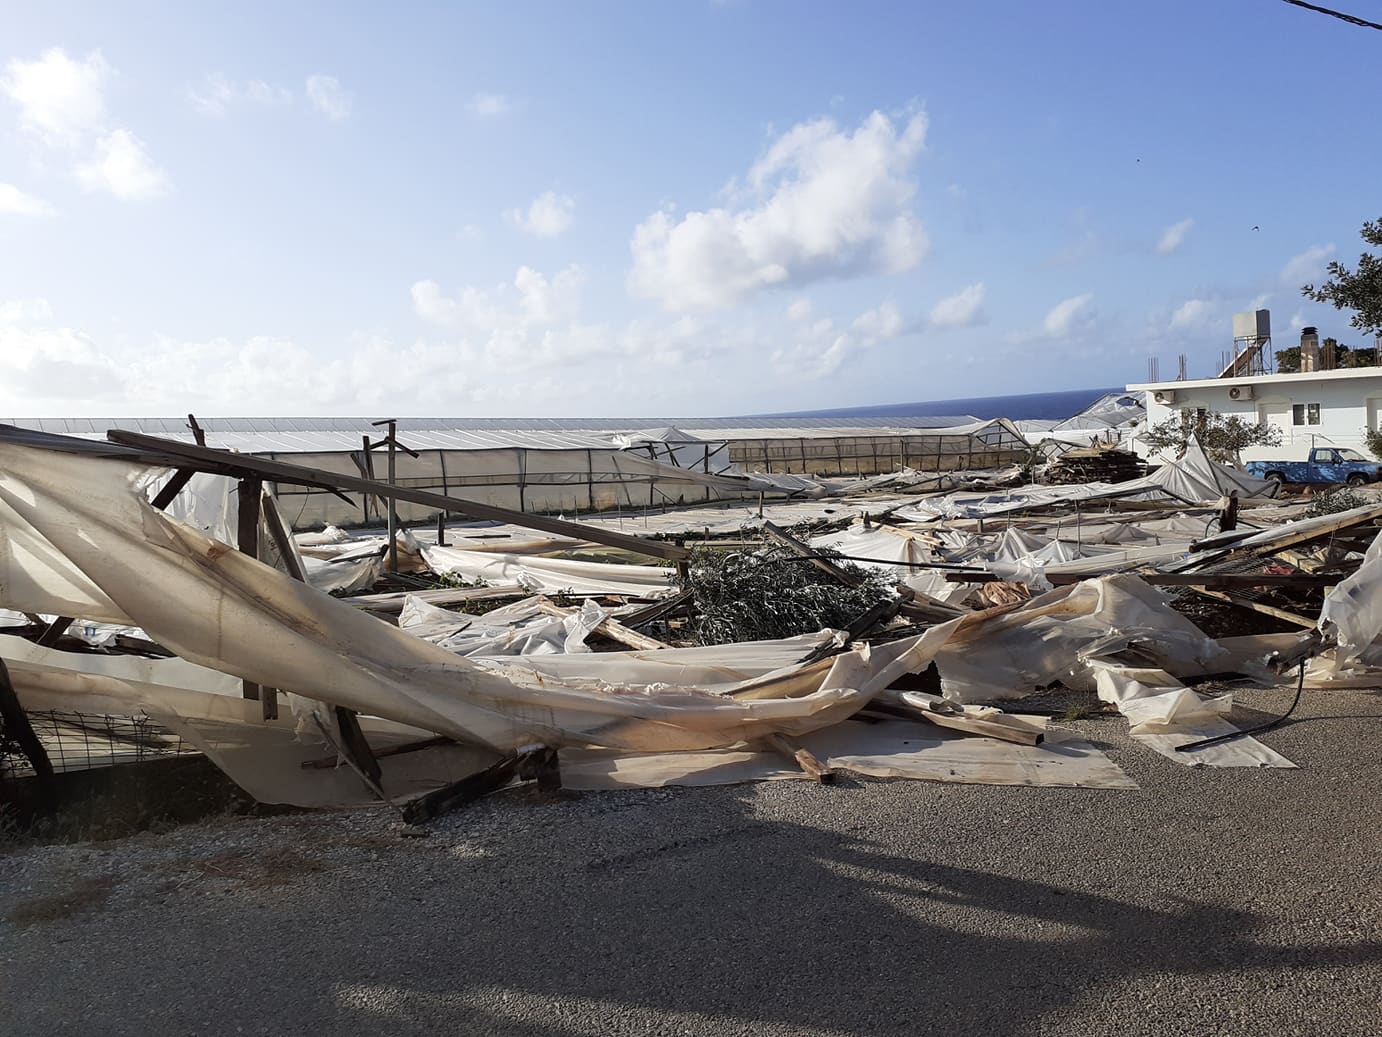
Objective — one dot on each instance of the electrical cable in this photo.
(1205, 742)
(1351, 19)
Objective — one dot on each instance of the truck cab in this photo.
(1327, 464)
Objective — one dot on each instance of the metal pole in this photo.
(393, 514)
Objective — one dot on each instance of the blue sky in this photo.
(659, 208)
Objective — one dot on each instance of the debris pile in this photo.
(1093, 464)
(891, 631)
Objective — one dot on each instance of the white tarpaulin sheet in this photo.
(551, 575)
(86, 519)
(884, 750)
(1163, 715)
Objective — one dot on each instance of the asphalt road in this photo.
(1208, 902)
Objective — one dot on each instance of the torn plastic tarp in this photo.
(216, 607)
(551, 575)
(518, 629)
(1352, 611)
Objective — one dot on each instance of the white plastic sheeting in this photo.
(216, 607)
(518, 629)
(1194, 477)
(1353, 612)
(1163, 715)
(551, 575)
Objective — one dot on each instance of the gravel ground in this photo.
(1208, 902)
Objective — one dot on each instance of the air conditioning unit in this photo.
(1165, 396)
(1240, 392)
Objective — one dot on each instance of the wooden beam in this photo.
(804, 758)
(956, 717)
(18, 728)
(799, 549)
(474, 786)
(353, 740)
(1257, 606)
(248, 493)
(172, 488)
(609, 627)
(282, 471)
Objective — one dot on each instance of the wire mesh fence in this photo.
(84, 741)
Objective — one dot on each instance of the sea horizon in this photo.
(1041, 406)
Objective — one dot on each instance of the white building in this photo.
(1311, 408)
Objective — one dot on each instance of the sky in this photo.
(671, 208)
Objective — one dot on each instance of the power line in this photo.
(1351, 19)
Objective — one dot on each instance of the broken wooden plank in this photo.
(825, 565)
(282, 471)
(1257, 606)
(804, 758)
(475, 786)
(971, 721)
(175, 485)
(656, 610)
(248, 494)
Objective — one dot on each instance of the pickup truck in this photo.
(1326, 465)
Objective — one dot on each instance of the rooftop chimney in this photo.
(1309, 349)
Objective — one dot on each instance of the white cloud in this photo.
(1260, 302)
(819, 347)
(489, 106)
(1191, 313)
(1066, 317)
(1173, 237)
(14, 202)
(122, 167)
(1308, 266)
(531, 300)
(521, 347)
(963, 309)
(218, 95)
(62, 106)
(17, 311)
(329, 97)
(549, 214)
(821, 203)
(61, 100)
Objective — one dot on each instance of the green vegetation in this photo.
(1224, 438)
(1288, 360)
(1332, 502)
(771, 593)
(1359, 290)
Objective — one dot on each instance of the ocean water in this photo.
(1033, 406)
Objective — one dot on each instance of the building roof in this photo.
(1338, 374)
(337, 435)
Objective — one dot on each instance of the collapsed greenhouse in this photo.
(579, 466)
(157, 601)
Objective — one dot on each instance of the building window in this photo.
(1305, 414)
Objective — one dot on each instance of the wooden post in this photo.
(368, 469)
(18, 728)
(249, 492)
(441, 529)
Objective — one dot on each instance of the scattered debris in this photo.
(867, 631)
